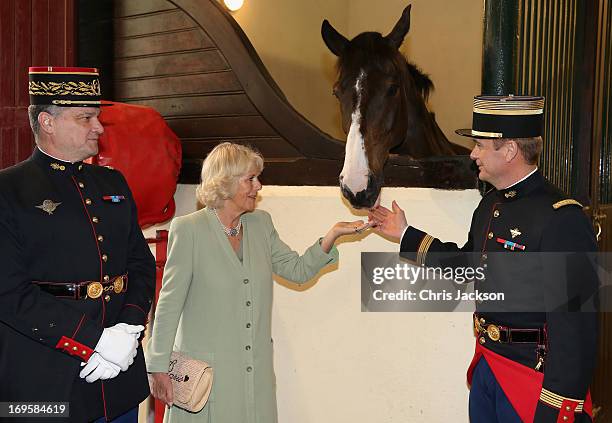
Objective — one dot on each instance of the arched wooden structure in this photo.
(191, 61)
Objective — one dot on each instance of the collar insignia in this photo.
(515, 232)
(48, 206)
(510, 194)
(57, 166)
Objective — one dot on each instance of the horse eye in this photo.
(392, 90)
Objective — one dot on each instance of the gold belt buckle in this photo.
(493, 332)
(118, 284)
(94, 290)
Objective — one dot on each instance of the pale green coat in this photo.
(215, 308)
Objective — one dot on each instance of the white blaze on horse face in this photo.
(355, 170)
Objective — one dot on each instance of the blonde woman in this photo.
(216, 298)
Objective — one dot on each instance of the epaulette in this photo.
(566, 202)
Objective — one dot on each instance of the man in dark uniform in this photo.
(534, 365)
(77, 277)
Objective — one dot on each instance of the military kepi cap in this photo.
(509, 116)
(66, 87)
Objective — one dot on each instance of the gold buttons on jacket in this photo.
(100, 238)
(107, 298)
(104, 257)
(490, 235)
(88, 202)
(81, 185)
(496, 213)
(95, 219)
(106, 278)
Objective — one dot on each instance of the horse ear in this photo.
(401, 28)
(334, 41)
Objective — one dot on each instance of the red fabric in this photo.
(138, 142)
(67, 345)
(565, 415)
(61, 69)
(521, 384)
(161, 245)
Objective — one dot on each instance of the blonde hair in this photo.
(221, 169)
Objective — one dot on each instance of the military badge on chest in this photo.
(48, 206)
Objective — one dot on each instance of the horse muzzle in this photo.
(365, 199)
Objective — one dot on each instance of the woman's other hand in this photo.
(339, 229)
(161, 387)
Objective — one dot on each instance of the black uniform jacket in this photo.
(59, 223)
(533, 216)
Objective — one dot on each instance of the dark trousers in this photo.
(129, 417)
(488, 403)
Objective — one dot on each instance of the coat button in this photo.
(84, 352)
(248, 303)
(565, 418)
(107, 298)
(484, 256)
(482, 340)
(95, 219)
(568, 408)
(88, 202)
(496, 213)
(106, 278)
(248, 326)
(245, 281)
(490, 235)
(81, 185)
(248, 348)
(100, 238)
(66, 344)
(74, 348)
(104, 257)
(249, 369)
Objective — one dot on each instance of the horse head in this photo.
(382, 99)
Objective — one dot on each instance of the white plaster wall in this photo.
(337, 364)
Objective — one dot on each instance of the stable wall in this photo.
(445, 42)
(337, 364)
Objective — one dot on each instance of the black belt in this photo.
(507, 335)
(86, 289)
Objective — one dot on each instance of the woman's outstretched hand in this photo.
(339, 229)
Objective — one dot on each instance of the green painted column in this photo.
(499, 46)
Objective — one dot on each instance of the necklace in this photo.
(229, 231)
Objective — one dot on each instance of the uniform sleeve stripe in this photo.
(423, 248)
(556, 400)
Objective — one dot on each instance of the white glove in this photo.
(117, 346)
(131, 329)
(98, 368)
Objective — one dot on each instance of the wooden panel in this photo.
(133, 7)
(32, 33)
(231, 104)
(269, 147)
(185, 62)
(162, 43)
(7, 49)
(23, 57)
(171, 20)
(238, 126)
(177, 85)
